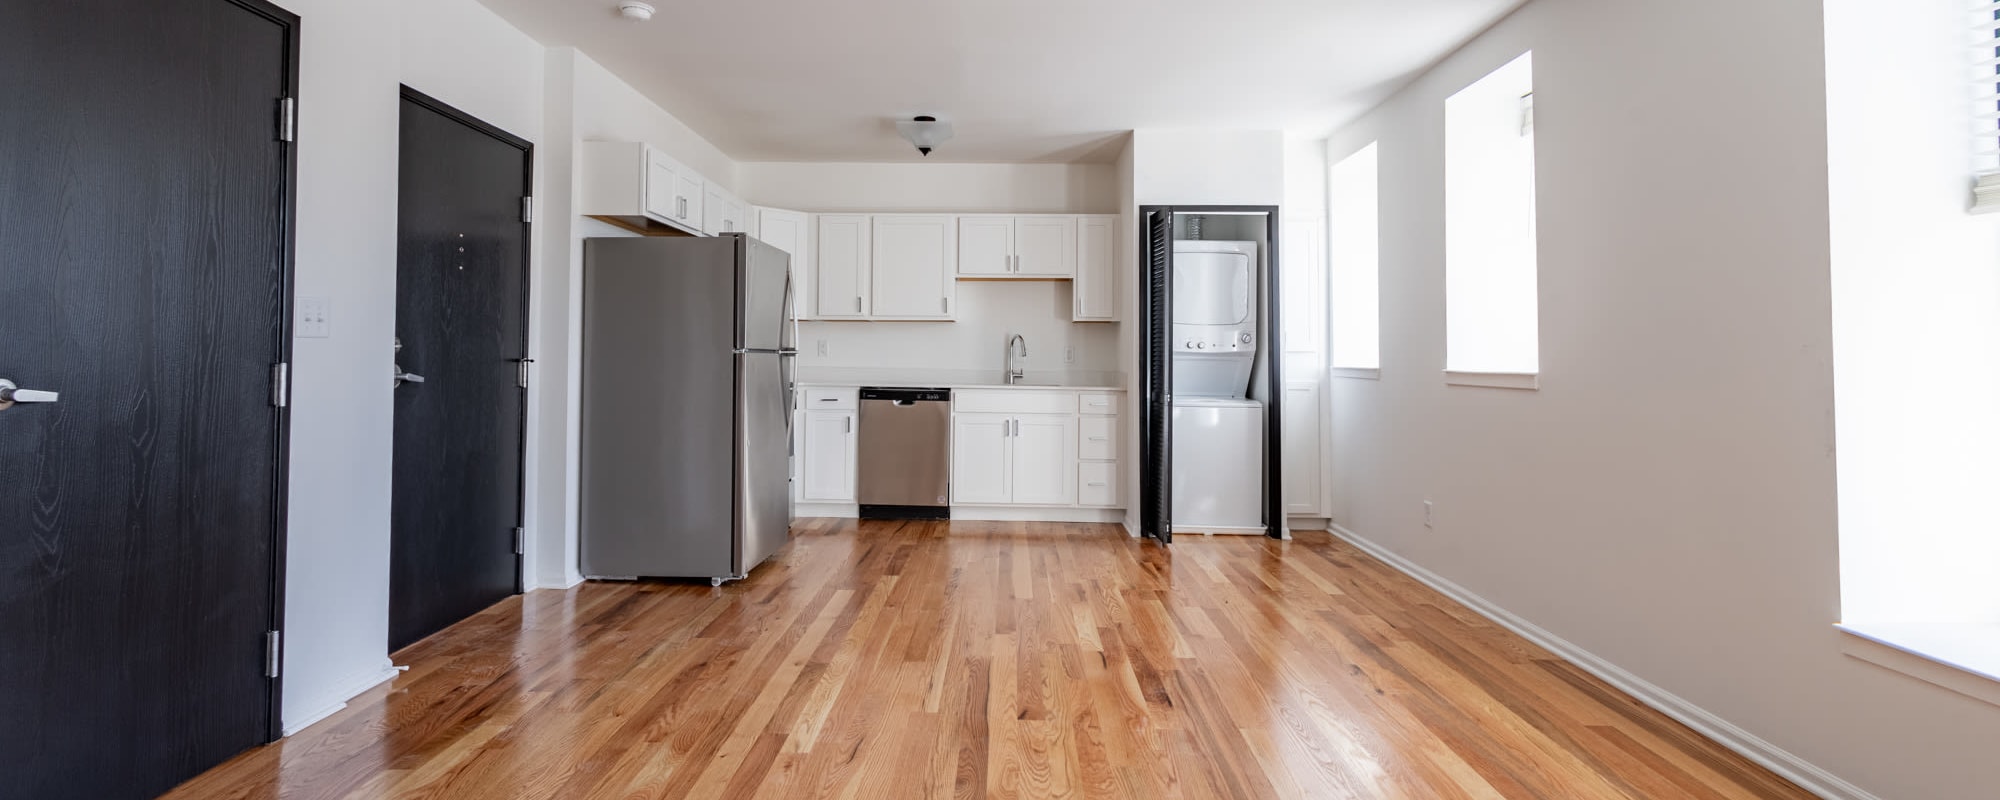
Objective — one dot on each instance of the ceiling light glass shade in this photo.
(924, 132)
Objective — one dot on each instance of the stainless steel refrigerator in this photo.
(687, 398)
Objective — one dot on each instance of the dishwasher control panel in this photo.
(914, 395)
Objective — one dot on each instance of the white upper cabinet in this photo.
(790, 231)
(916, 258)
(690, 190)
(842, 266)
(1017, 247)
(1045, 247)
(641, 188)
(1095, 291)
(986, 246)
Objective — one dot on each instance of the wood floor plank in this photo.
(878, 659)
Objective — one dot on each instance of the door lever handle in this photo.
(403, 376)
(11, 394)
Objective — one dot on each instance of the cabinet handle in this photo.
(847, 424)
(857, 304)
(1100, 438)
(1097, 483)
(946, 302)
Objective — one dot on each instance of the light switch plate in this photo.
(314, 318)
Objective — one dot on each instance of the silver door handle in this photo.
(11, 394)
(403, 376)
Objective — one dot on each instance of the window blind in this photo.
(1985, 46)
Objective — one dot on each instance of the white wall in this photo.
(1666, 501)
(353, 56)
(1916, 315)
(583, 102)
(988, 312)
(1208, 167)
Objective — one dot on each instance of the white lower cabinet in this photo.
(1013, 459)
(829, 445)
(1097, 484)
(1044, 464)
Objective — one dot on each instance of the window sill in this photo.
(1355, 373)
(1962, 657)
(1530, 381)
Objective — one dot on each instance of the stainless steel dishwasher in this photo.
(905, 454)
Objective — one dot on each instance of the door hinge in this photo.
(521, 378)
(288, 119)
(527, 209)
(281, 384)
(520, 544)
(271, 653)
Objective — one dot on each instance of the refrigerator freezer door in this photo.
(763, 312)
(763, 466)
(658, 398)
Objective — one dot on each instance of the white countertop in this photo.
(957, 379)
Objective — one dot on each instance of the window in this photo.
(1354, 242)
(1986, 107)
(1492, 315)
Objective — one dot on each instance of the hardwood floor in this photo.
(886, 660)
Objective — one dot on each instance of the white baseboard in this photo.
(1018, 514)
(1797, 770)
(826, 510)
(1308, 523)
(1198, 530)
(340, 694)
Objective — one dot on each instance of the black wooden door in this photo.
(1156, 443)
(144, 278)
(461, 319)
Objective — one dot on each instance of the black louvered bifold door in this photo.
(1156, 456)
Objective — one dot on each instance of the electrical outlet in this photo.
(1069, 354)
(819, 346)
(1429, 518)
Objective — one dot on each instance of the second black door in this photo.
(461, 324)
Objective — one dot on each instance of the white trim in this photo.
(1531, 381)
(1031, 514)
(1217, 530)
(1963, 658)
(346, 692)
(1986, 193)
(1791, 767)
(826, 510)
(1355, 373)
(1308, 522)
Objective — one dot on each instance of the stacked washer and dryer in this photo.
(1218, 441)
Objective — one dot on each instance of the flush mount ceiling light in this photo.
(925, 132)
(635, 10)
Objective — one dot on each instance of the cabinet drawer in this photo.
(1097, 439)
(833, 399)
(1097, 484)
(1097, 403)
(1013, 401)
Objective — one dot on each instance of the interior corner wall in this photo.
(1666, 501)
(1916, 307)
(354, 55)
(1130, 271)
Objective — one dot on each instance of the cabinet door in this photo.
(715, 210)
(986, 246)
(1045, 247)
(829, 457)
(737, 218)
(915, 267)
(1303, 486)
(980, 473)
(1095, 289)
(1044, 465)
(786, 230)
(660, 183)
(689, 191)
(1097, 484)
(840, 267)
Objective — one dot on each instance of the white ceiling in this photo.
(1021, 80)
